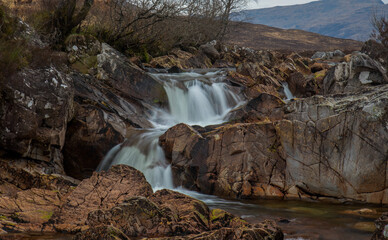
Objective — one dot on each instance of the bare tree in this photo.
(65, 18)
(380, 25)
(162, 23)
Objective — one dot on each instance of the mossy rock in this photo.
(85, 64)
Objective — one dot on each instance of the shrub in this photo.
(380, 32)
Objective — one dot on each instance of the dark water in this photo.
(303, 220)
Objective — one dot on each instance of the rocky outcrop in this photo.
(101, 121)
(100, 192)
(266, 107)
(29, 195)
(171, 215)
(239, 160)
(350, 76)
(323, 148)
(112, 98)
(336, 147)
(121, 74)
(35, 107)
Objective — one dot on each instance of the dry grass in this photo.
(259, 36)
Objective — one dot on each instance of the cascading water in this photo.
(194, 99)
(287, 91)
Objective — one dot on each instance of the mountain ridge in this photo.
(349, 19)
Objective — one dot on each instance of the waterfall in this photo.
(194, 99)
(287, 91)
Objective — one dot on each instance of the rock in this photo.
(316, 67)
(100, 192)
(351, 76)
(376, 51)
(338, 53)
(171, 215)
(174, 69)
(328, 55)
(364, 212)
(239, 160)
(365, 226)
(29, 196)
(265, 107)
(35, 107)
(320, 55)
(90, 136)
(102, 121)
(334, 146)
(381, 232)
(210, 51)
(120, 73)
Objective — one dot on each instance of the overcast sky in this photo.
(272, 3)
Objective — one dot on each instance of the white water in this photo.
(194, 99)
(287, 91)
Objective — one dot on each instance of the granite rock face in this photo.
(324, 147)
(35, 107)
(240, 160)
(351, 76)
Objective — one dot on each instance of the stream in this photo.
(205, 99)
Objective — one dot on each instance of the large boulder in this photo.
(336, 147)
(100, 192)
(350, 76)
(35, 107)
(101, 121)
(240, 160)
(122, 74)
(171, 215)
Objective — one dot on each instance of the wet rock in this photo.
(381, 232)
(351, 76)
(240, 160)
(174, 69)
(36, 106)
(91, 134)
(100, 192)
(120, 73)
(364, 212)
(101, 122)
(171, 215)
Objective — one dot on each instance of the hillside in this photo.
(259, 36)
(336, 18)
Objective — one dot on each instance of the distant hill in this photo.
(259, 36)
(337, 18)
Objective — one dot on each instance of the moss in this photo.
(217, 214)
(45, 215)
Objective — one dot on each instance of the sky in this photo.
(254, 4)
